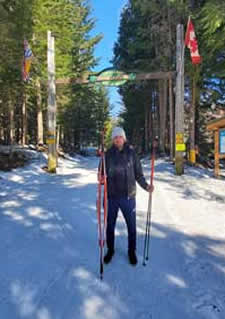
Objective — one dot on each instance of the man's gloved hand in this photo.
(150, 188)
(100, 178)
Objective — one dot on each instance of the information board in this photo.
(222, 141)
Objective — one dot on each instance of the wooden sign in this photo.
(111, 77)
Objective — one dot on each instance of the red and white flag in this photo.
(192, 44)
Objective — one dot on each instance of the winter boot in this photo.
(132, 257)
(108, 257)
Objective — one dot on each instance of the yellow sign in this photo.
(193, 156)
(51, 141)
(180, 147)
(179, 138)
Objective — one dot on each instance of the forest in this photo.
(146, 43)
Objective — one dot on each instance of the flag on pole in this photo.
(191, 43)
(27, 59)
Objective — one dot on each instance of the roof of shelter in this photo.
(216, 124)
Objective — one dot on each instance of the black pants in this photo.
(128, 208)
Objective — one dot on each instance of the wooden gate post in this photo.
(179, 116)
(51, 140)
(216, 156)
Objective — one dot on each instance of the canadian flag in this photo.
(192, 44)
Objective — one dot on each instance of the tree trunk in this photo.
(1, 133)
(24, 119)
(155, 114)
(162, 113)
(147, 126)
(192, 122)
(40, 133)
(11, 124)
(165, 112)
(171, 119)
(150, 120)
(58, 138)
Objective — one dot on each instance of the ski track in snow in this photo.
(49, 253)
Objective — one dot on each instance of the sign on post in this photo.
(222, 141)
(111, 77)
(180, 145)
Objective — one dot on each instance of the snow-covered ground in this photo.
(49, 254)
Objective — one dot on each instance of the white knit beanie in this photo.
(118, 131)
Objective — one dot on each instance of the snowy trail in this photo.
(49, 253)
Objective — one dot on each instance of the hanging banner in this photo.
(27, 59)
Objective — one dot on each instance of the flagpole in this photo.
(191, 43)
(24, 98)
(27, 59)
(24, 116)
(192, 155)
(184, 43)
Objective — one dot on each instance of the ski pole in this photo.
(145, 244)
(99, 218)
(102, 223)
(150, 201)
(149, 211)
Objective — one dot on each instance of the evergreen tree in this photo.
(70, 23)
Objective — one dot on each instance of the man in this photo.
(123, 169)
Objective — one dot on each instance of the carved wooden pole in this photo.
(52, 156)
(179, 117)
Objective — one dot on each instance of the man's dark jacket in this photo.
(123, 169)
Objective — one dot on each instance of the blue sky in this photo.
(107, 15)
